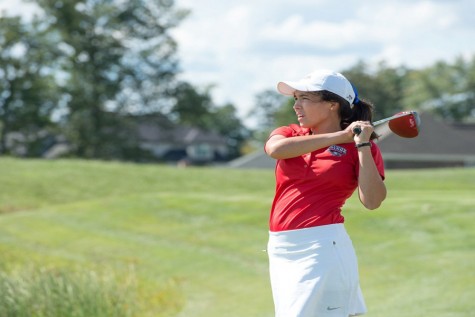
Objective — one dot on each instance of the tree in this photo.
(227, 123)
(28, 94)
(271, 110)
(117, 57)
(192, 106)
(267, 104)
(445, 89)
(384, 87)
(195, 107)
(285, 115)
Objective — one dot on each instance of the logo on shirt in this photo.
(336, 150)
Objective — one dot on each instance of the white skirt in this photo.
(314, 273)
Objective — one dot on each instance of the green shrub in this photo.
(62, 293)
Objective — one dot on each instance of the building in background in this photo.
(184, 145)
(161, 140)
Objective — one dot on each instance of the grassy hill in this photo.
(190, 240)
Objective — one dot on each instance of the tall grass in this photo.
(65, 292)
(60, 292)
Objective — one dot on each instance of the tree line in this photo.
(83, 71)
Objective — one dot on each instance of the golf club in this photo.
(405, 124)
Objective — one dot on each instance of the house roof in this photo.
(158, 129)
(435, 137)
(257, 159)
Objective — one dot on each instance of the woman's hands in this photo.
(366, 129)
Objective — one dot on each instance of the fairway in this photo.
(193, 238)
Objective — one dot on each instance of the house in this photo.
(438, 144)
(170, 142)
(167, 141)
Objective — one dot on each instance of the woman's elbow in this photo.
(374, 202)
(372, 205)
(273, 152)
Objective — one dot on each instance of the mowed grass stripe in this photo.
(417, 252)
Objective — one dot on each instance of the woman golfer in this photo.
(320, 163)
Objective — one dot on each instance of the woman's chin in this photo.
(301, 122)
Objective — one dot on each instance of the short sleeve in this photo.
(288, 131)
(285, 131)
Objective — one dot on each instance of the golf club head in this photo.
(407, 125)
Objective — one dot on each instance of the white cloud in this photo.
(250, 45)
(315, 33)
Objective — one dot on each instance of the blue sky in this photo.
(243, 47)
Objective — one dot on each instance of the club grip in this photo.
(357, 130)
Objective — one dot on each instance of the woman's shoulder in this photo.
(291, 130)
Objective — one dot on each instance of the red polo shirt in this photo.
(311, 189)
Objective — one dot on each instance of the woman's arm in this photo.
(371, 188)
(280, 147)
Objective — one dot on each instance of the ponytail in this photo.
(361, 110)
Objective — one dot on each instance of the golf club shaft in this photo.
(357, 129)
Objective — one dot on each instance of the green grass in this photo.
(193, 237)
(59, 293)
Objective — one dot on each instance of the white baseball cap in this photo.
(320, 80)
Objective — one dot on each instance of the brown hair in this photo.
(361, 111)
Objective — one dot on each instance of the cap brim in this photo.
(288, 88)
